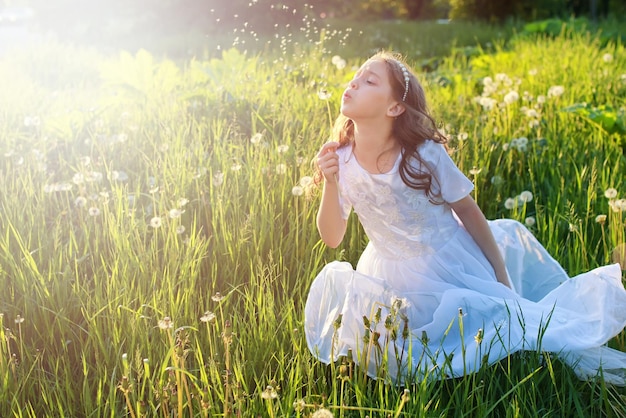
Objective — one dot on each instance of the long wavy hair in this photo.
(411, 129)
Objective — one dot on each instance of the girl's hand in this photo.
(328, 161)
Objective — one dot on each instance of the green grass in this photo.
(94, 280)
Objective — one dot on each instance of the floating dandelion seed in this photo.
(156, 222)
(166, 323)
(610, 193)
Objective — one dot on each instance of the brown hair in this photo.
(411, 129)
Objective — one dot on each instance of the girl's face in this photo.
(369, 94)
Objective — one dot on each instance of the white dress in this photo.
(431, 302)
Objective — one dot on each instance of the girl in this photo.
(438, 290)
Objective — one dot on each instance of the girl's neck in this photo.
(372, 141)
(375, 148)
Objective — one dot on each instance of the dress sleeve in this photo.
(344, 200)
(450, 181)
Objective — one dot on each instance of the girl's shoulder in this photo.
(431, 151)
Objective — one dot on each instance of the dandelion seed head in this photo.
(269, 393)
(526, 196)
(306, 181)
(94, 211)
(322, 413)
(256, 138)
(78, 178)
(529, 221)
(601, 219)
(180, 229)
(166, 323)
(209, 317)
(475, 171)
(80, 202)
(510, 203)
(511, 97)
(156, 222)
(175, 213)
(182, 202)
(323, 94)
(217, 297)
(19, 319)
(283, 148)
(556, 91)
(497, 180)
(607, 58)
(297, 191)
(610, 193)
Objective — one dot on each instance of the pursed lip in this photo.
(346, 95)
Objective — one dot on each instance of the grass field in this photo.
(157, 238)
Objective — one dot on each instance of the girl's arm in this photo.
(330, 223)
(476, 224)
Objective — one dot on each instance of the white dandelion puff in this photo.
(297, 191)
(526, 196)
(156, 222)
(610, 193)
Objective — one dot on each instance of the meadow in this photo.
(157, 220)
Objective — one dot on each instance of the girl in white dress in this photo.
(439, 290)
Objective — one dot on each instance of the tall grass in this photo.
(157, 243)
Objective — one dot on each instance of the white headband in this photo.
(405, 73)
